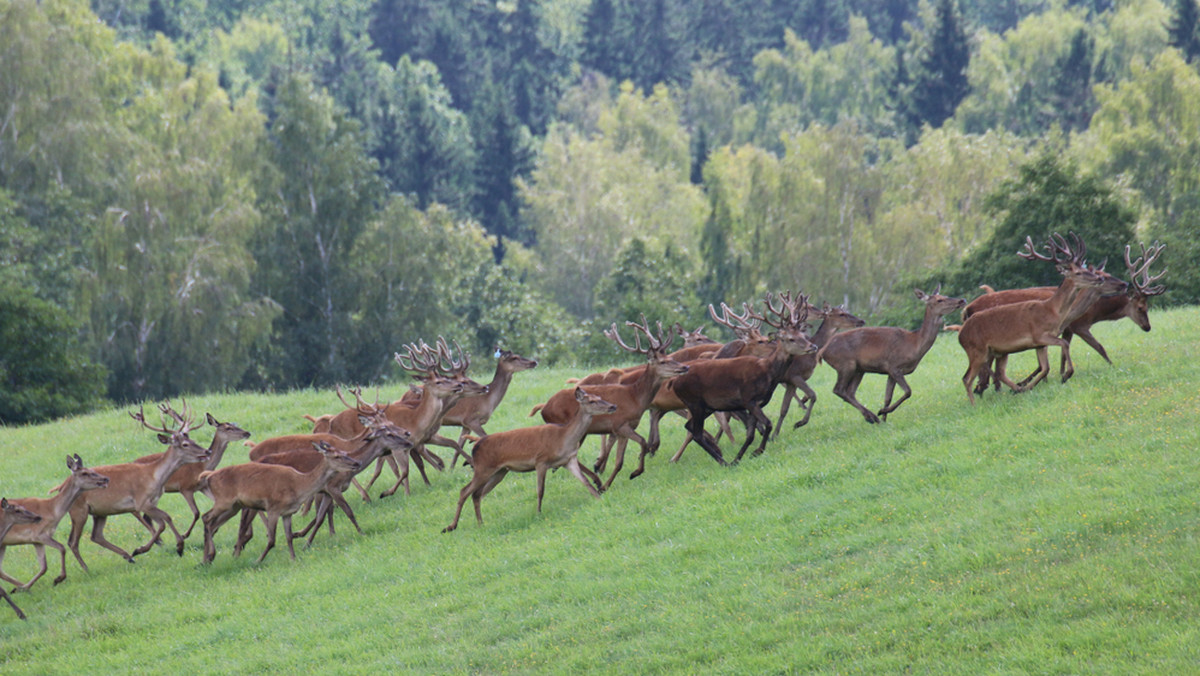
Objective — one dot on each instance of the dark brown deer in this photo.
(531, 449)
(12, 514)
(276, 490)
(740, 384)
(796, 378)
(183, 480)
(134, 488)
(885, 350)
(631, 395)
(51, 510)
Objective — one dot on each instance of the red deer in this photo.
(740, 384)
(472, 413)
(885, 350)
(134, 488)
(276, 490)
(51, 510)
(12, 514)
(379, 440)
(631, 395)
(1000, 331)
(531, 449)
(832, 319)
(183, 480)
(1134, 304)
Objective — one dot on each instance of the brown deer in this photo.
(1000, 331)
(12, 514)
(51, 510)
(531, 449)
(134, 488)
(472, 413)
(741, 384)
(1134, 304)
(885, 350)
(276, 490)
(183, 480)
(631, 395)
(380, 439)
(797, 375)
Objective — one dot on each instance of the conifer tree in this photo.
(941, 83)
(1184, 30)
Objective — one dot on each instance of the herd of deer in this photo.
(702, 379)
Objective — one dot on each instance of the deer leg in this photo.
(402, 477)
(378, 470)
(287, 531)
(245, 531)
(159, 516)
(1087, 337)
(480, 432)
(16, 609)
(272, 520)
(622, 442)
(78, 521)
(9, 578)
(98, 522)
(336, 498)
(807, 403)
(541, 485)
(473, 485)
(695, 425)
(758, 422)
(653, 441)
(190, 499)
(213, 519)
(975, 362)
(606, 444)
(789, 393)
(40, 551)
(1066, 367)
(897, 379)
(579, 470)
(846, 386)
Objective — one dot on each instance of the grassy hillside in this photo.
(1055, 531)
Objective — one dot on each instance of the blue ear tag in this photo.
(497, 355)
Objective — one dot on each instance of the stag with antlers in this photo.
(1000, 331)
(134, 488)
(744, 384)
(632, 394)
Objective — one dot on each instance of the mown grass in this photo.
(1051, 532)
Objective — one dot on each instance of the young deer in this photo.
(472, 413)
(530, 449)
(12, 514)
(886, 350)
(184, 480)
(134, 488)
(277, 490)
(51, 510)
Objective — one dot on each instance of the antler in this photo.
(657, 343)
(454, 367)
(1139, 270)
(183, 420)
(745, 325)
(792, 313)
(1059, 250)
(417, 361)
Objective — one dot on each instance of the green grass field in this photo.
(1049, 532)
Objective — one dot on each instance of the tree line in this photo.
(209, 194)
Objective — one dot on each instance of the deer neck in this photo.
(163, 468)
(499, 385)
(61, 503)
(576, 427)
(429, 414)
(924, 336)
(216, 451)
(823, 334)
(1078, 306)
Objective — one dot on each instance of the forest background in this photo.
(201, 195)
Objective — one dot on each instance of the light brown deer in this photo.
(531, 449)
(134, 488)
(1000, 331)
(472, 413)
(886, 350)
(12, 514)
(631, 395)
(742, 385)
(51, 510)
(183, 480)
(381, 438)
(276, 490)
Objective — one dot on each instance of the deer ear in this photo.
(580, 395)
(920, 294)
(164, 438)
(211, 420)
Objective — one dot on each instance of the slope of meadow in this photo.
(1054, 531)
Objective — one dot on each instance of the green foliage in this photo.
(44, 372)
(655, 281)
(1184, 29)
(320, 197)
(1049, 196)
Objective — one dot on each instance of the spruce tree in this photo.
(941, 82)
(1184, 30)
